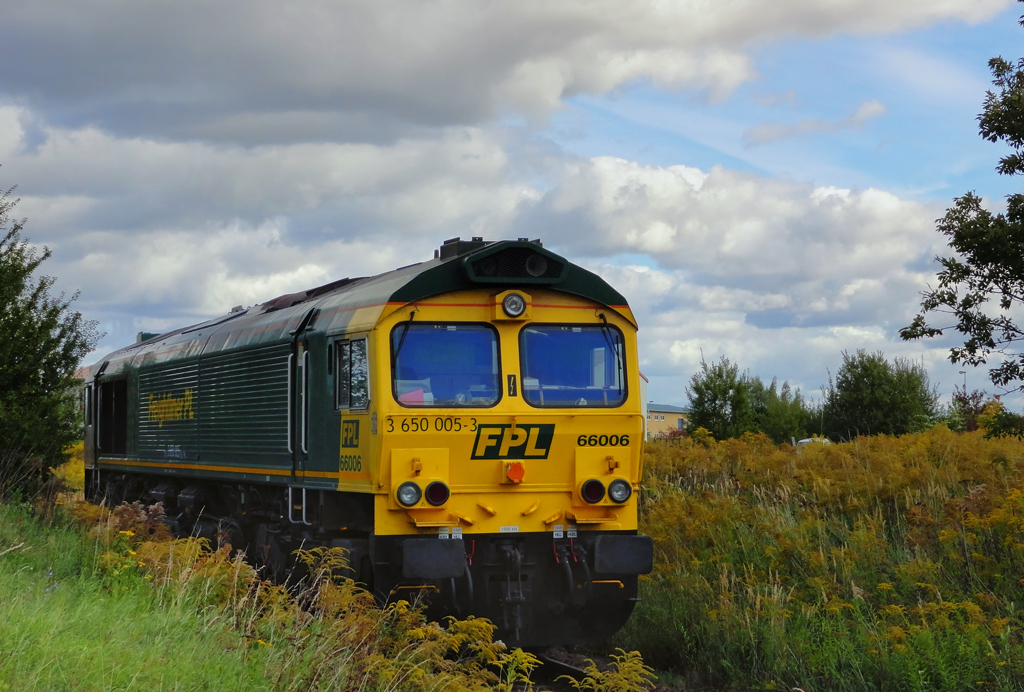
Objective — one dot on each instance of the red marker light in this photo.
(437, 493)
(592, 491)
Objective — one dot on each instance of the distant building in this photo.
(664, 418)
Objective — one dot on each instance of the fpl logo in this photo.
(524, 441)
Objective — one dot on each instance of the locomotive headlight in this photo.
(514, 305)
(619, 490)
(437, 493)
(536, 265)
(409, 494)
(592, 491)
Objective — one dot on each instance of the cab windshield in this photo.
(572, 365)
(445, 364)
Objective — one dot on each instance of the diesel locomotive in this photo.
(468, 428)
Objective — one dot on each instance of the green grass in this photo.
(65, 625)
(112, 602)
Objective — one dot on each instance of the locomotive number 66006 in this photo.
(603, 440)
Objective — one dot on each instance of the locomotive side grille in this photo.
(517, 263)
(168, 404)
(244, 408)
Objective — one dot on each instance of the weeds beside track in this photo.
(880, 564)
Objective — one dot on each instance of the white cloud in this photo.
(727, 225)
(263, 72)
(770, 132)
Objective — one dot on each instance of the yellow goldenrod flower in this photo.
(260, 641)
(127, 533)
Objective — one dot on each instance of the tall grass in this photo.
(67, 625)
(94, 598)
(883, 563)
(125, 605)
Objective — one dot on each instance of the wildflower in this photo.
(884, 586)
(260, 641)
(895, 634)
(131, 552)
(127, 533)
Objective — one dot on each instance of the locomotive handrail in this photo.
(291, 363)
(99, 415)
(305, 398)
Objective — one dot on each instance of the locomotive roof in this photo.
(357, 303)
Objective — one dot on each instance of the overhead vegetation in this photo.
(885, 563)
(42, 340)
(981, 286)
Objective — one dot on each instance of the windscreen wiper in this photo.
(401, 340)
(606, 330)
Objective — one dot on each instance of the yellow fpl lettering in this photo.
(531, 445)
(512, 437)
(167, 407)
(486, 440)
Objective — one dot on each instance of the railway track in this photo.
(552, 668)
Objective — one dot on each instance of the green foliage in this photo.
(728, 404)
(982, 285)
(870, 395)
(779, 414)
(719, 399)
(883, 563)
(42, 341)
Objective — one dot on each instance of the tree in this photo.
(870, 395)
(981, 287)
(965, 408)
(728, 404)
(779, 413)
(719, 400)
(42, 341)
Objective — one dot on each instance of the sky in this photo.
(761, 180)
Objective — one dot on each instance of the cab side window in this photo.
(352, 375)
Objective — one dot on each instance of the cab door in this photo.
(323, 424)
(299, 383)
(352, 401)
(298, 428)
